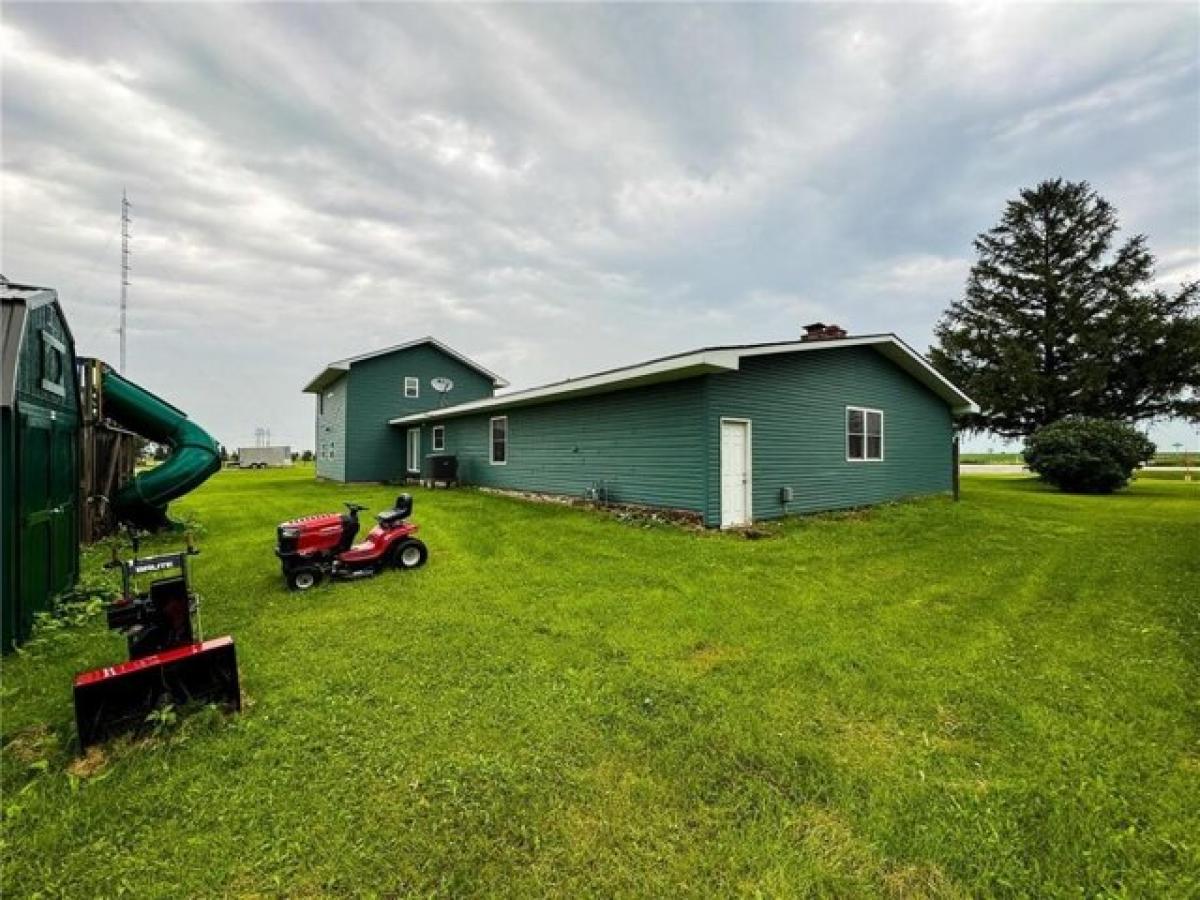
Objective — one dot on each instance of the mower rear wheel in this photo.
(410, 555)
(303, 579)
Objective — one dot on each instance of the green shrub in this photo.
(1087, 456)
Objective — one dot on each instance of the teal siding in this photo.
(644, 443)
(797, 404)
(375, 449)
(659, 445)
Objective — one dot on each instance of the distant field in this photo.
(1160, 475)
(1015, 459)
(1177, 459)
(991, 459)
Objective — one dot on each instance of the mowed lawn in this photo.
(995, 697)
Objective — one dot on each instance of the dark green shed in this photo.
(39, 457)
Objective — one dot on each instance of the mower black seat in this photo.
(397, 514)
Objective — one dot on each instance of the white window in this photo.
(499, 441)
(412, 386)
(864, 434)
(439, 437)
(414, 450)
(53, 369)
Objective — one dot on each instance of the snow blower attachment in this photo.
(169, 662)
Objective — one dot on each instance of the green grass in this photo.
(995, 697)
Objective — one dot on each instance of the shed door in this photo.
(414, 449)
(47, 511)
(735, 472)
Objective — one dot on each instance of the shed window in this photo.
(499, 442)
(320, 404)
(439, 437)
(412, 386)
(864, 434)
(53, 352)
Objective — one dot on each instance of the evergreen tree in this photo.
(1052, 324)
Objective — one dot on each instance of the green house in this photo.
(733, 434)
(357, 396)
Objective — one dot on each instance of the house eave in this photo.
(328, 376)
(336, 369)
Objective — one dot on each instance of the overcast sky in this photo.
(556, 189)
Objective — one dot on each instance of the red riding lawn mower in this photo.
(313, 547)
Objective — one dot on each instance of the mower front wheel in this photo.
(410, 555)
(303, 579)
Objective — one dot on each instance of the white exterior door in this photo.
(414, 450)
(735, 473)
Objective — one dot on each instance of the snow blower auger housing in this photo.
(168, 659)
(312, 548)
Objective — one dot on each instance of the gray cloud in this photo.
(556, 189)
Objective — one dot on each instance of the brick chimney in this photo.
(819, 331)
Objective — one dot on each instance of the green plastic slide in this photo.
(194, 455)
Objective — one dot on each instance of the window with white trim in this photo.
(54, 353)
(864, 434)
(498, 427)
(412, 386)
(439, 437)
(414, 449)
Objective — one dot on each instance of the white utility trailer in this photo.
(264, 457)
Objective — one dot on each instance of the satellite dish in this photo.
(441, 385)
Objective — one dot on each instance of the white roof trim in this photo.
(334, 370)
(717, 359)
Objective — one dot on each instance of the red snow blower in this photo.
(169, 662)
(313, 547)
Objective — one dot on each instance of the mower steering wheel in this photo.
(354, 507)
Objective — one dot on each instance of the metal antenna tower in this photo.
(125, 204)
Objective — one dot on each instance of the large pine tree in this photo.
(1053, 324)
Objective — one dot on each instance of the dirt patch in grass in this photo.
(919, 881)
(870, 745)
(91, 763)
(828, 838)
(32, 744)
(705, 657)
